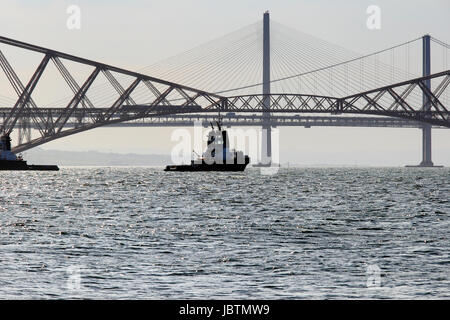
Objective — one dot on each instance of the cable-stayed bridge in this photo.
(263, 74)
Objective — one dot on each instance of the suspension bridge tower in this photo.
(426, 104)
(266, 136)
(426, 129)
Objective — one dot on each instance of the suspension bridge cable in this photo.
(237, 59)
(319, 69)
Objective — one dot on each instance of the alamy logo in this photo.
(374, 20)
(373, 276)
(74, 19)
(244, 142)
(74, 279)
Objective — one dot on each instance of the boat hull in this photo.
(21, 165)
(206, 167)
(203, 166)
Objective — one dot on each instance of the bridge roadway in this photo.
(80, 116)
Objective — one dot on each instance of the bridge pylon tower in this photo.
(266, 135)
(426, 127)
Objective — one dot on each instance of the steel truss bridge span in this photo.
(389, 101)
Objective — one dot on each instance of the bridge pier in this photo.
(426, 147)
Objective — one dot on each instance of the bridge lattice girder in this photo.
(395, 100)
(160, 93)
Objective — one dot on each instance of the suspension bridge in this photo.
(264, 74)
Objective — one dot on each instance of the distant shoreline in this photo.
(108, 159)
(93, 158)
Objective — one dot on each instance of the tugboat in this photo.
(9, 161)
(217, 157)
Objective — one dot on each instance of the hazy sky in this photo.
(134, 34)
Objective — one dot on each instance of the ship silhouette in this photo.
(9, 161)
(217, 156)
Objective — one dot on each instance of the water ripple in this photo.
(302, 233)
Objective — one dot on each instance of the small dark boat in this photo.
(217, 156)
(9, 161)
